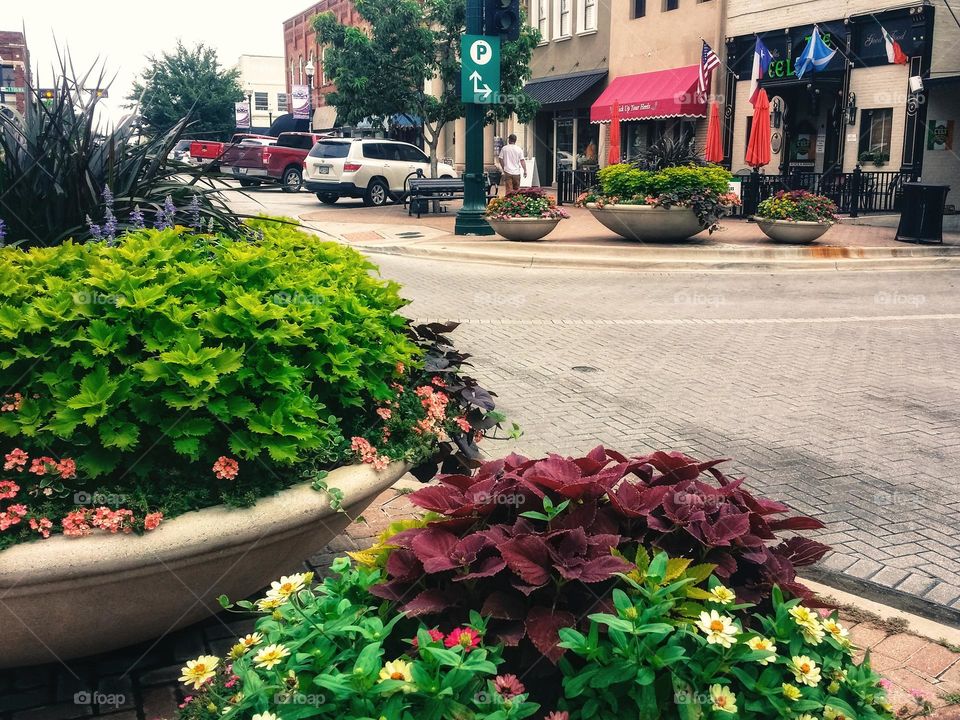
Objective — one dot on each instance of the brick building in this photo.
(14, 70)
(301, 47)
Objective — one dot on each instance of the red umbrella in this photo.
(758, 148)
(714, 152)
(613, 156)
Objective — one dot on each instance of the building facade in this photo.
(861, 108)
(14, 71)
(262, 80)
(301, 48)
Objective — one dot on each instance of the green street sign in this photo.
(480, 73)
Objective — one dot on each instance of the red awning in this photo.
(653, 95)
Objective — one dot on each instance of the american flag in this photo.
(708, 61)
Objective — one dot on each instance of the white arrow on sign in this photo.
(484, 91)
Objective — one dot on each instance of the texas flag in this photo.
(761, 61)
(895, 53)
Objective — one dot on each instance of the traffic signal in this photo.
(502, 17)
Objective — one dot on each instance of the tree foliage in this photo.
(188, 81)
(408, 61)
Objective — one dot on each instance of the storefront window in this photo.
(876, 129)
(588, 143)
(564, 143)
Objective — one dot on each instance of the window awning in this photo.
(652, 96)
(560, 89)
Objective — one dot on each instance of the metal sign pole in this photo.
(470, 220)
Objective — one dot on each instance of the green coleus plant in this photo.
(332, 651)
(644, 659)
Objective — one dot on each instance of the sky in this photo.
(123, 33)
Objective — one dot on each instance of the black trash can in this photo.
(921, 218)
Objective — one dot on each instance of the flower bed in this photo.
(173, 370)
(525, 203)
(702, 189)
(561, 588)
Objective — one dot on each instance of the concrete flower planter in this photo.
(796, 232)
(69, 597)
(523, 229)
(648, 223)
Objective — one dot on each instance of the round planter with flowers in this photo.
(186, 410)
(525, 216)
(796, 217)
(668, 205)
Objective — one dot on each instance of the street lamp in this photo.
(309, 70)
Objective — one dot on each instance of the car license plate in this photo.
(323, 169)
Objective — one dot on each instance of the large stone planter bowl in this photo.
(795, 232)
(523, 229)
(648, 223)
(68, 597)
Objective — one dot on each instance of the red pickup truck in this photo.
(281, 162)
(211, 151)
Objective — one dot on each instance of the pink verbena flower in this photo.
(16, 459)
(464, 424)
(76, 523)
(152, 520)
(40, 465)
(8, 489)
(226, 468)
(41, 526)
(11, 402)
(12, 516)
(385, 413)
(113, 521)
(67, 469)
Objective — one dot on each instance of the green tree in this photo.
(409, 62)
(188, 81)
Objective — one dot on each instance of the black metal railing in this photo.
(573, 183)
(853, 193)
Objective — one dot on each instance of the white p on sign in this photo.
(480, 52)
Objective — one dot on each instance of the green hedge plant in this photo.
(172, 349)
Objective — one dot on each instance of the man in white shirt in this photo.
(512, 164)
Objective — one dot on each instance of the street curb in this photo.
(887, 596)
(694, 259)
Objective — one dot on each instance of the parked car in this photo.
(211, 151)
(248, 152)
(181, 152)
(375, 170)
(280, 162)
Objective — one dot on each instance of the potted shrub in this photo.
(666, 205)
(525, 215)
(795, 216)
(183, 403)
(559, 589)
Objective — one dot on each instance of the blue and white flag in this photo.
(815, 56)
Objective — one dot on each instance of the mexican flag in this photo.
(895, 53)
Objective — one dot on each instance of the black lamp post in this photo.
(309, 70)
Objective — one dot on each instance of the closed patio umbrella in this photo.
(758, 147)
(714, 151)
(613, 156)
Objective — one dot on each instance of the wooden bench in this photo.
(420, 191)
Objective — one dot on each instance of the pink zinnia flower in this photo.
(226, 468)
(435, 636)
(884, 683)
(385, 413)
(41, 526)
(508, 686)
(467, 638)
(16, 459)
(67, 469)
(152, 521)
(8, 489)
(558, 715)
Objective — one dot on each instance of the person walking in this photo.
(512, 164)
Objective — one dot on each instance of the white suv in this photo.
(375, 170)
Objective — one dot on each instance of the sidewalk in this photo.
(583, 242)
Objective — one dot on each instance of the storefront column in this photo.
(460, 144)
(489, 132)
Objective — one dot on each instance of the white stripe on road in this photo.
(699, 321)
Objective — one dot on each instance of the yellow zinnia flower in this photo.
(270, 656)
(722, 595)
(270, 603)
(287, 585)
(266, 715)
(718, 628)
(199, 671)
(790, 692)
(812, 634)
(238, 651)
(251, 639)
(762, 644)
(723, 699)
(804, 616)
(838, 631)
(805, 716)
(805, 670)
(397, 670)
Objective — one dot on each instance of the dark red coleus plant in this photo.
(528, 542)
